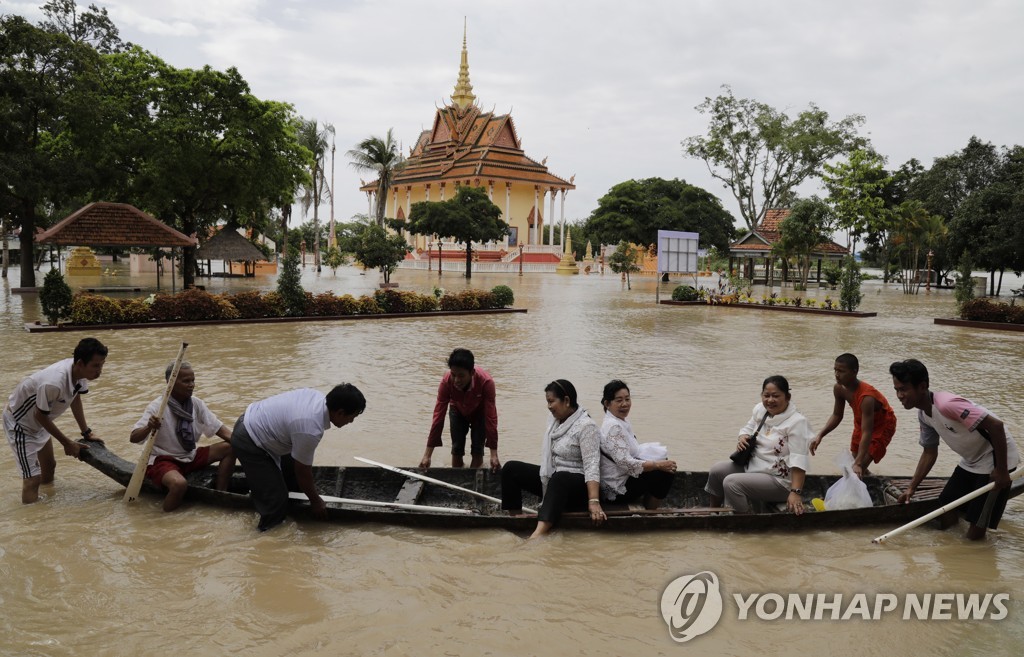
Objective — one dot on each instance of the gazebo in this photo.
(229, 246)
(756, 245)
(117, 225)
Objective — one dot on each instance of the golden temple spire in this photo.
(463, 96)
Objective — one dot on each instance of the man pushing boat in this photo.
(275, 439)
(34, 406)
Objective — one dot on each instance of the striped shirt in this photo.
(51, 390)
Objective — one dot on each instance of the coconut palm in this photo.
(382, 157)
(916, 228)
(317, 139)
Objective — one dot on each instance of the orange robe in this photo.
(885, 422)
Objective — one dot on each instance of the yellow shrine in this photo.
(467, 146)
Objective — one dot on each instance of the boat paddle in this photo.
(431, 480)
(138, 476)
(388, 505)
(943, 509)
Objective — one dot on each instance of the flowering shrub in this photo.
(986, 310)
(393, 301)
(503, 296)
(469, 300)
(369, 306)
(199, 305)
(253, 304)
(684, 293)
(89, 309)
(134, 311)
(191, 306)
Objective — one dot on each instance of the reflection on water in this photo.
(84, 574)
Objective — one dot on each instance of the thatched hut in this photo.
(230, 246)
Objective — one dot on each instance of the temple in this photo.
(467, 146)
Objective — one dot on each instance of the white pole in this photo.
(949, 507)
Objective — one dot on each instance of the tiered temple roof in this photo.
(467, 145)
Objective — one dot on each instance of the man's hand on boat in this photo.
(73, 448)
(495, 463)
(319, 508)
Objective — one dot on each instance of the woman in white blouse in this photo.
(568, 477)
(630, 471)
(779, 462)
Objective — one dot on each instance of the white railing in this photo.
(482, 267)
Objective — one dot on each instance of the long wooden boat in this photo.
(685, 508)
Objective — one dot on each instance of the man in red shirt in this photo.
(467, 394)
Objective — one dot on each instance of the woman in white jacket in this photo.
(630, 471)
(780, 459)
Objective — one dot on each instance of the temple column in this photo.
(442, 191)
(490, 191)
(534, 237)
(551, 218)
(369, 204)
(508, 206)
(394, 205)
(562, 217)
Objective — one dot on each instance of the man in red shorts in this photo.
(175, 452)
(874, 422)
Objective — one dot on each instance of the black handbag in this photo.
(742, 457)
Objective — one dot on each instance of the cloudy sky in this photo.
(606, 90)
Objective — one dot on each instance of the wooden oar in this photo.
(389, 505)
(416, 475)
(138, 476)
(949, 507)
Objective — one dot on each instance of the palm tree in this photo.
(916, 227)
(318, 141)
(382, 157)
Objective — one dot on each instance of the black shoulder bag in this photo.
(742, 456)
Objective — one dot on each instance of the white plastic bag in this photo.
(653, 452)
(849, 492)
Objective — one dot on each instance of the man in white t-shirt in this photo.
(36, 404)
(175, 451)
(987, 450)
(275, 439)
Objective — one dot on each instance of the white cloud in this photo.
(607, 89)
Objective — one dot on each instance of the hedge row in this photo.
(986, 310)
(197, 305)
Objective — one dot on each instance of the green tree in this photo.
(333, 259)
(92, 27)
(317, 140)
(377, 249)
(218, 153)
(849, 285)
(635, 210)
(915, 228)
(807, 226)
(45, 82)
(855, 190)
(625, 260)
(761, 154)
(963, 291)
(289, 285)
(55, 297)
(467, 217)
(379, 156)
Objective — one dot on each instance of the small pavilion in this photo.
(116, 225)
(755, 247)
(229, 246)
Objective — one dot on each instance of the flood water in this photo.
(81, 573)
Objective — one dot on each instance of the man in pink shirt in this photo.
(986, 448)
(466, 393)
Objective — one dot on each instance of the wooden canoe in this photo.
(685, 508)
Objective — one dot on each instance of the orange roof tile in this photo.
(113, 224)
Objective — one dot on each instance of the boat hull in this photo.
(685, 507)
